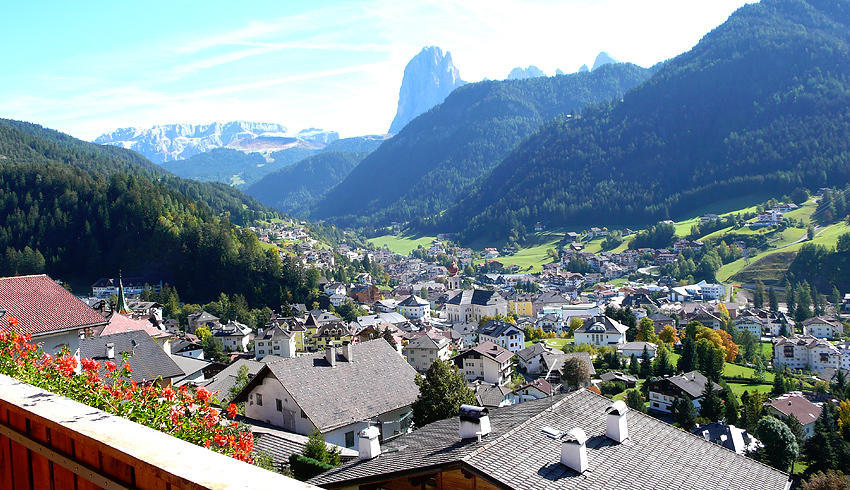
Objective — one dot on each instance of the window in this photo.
(278, 405)
(788, 350)
(824, 357)
(259, 400)
(349, 439)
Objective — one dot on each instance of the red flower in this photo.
(127, 367)
(13, 322)
(110, 366)
(232, 410)
(203, 395)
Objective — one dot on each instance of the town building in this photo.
(795, 405)
(664, 392)
(487, 362)
(823, 328)
(422, 351)
(601, 330)
(413, 307)
(149, 363)
(471, 305)
(805, 352)
(274, 341)
(502, 333)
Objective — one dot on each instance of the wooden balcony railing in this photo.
(51, 442)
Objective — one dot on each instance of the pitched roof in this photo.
(121, 323)
(496, 328)
(488, 350)
(43, 307)
(147, 359)
(413, 300)
(692, 383)
(376, 381)
(278, 445)
(202, 316)
(533, 351)
(795, 404)
(222, 382)
(427, 342)
(276, 333)
(481, 297)
(517, 454)
(602, 323)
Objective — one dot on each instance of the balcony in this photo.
(49, 441)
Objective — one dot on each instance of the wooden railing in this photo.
(50, 442)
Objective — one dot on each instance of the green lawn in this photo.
(766, 349)
(740, 388)
(531, 259)
(401, 244)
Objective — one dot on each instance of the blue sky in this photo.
(89, 67)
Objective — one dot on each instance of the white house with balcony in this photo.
(502, 333)
(601, 330)
(805, 352)
(487, 362)
(823, 328)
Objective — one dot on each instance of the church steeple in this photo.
(122, 306)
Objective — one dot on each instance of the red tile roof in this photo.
(119, 323)
(42, 307)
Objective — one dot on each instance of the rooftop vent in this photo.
(110, 351)
(574, 450)
(616, 427)
(347, 352)
(330, 355)
(474, 422)
(369, 447)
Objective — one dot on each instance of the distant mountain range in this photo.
(761, 105)
(428, 78)
(427, 166)
(520, 73)
(180, 141)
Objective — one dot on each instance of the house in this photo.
(338, 392)
(549, 300)
(133, 286)
(221, 384)
(491, 396)
(413, 307)
(700, 291)
(195, 371)
(823, 328)
(385, 305)
(660, 321)
(332, 334)
(706, 317)
(148, 361)
(630, 349)
(487, 362)
(732, 438)
(601, 330)
(471, 305)
(202, 319)
(465, 333)
(844, 349)
(752, 324)
(274, 341)
(805, 352)
(234, 336)
(617, 376)
(335, 288)
(577, 440)
(845, 303)
(38, 306)
(530, 359)
(278, 445)
(365, 293)
(502, 333)
(422, 351)
(520, 304)
(185, 347)
(795, 405)
(535, 390)
(664, 392)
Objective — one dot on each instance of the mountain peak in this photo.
(520, 73)
(603, 58)
(429, 77)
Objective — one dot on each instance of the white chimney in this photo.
(369, 446)
(110, 351)
(616, 427)
(346, 352)
(474, 422)
(574, 450)
(259, 333)
(330, 355)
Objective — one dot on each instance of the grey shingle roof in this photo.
(692, 383)
(481, 297)
(413, 300)
(147, 359)
(517, 454)
(496, 328)
(489, 350)
(222, 382)
(378, 380)
(603, 323)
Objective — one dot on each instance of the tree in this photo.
(752, 406)
(758, 295)
(829, 480)
(779, 386)
(688, 361)
(825, 448)
(730, 406)
(668, 335)
(837, 298)
(711, 406)
(773, 303)
(810, 232)
(803, 309)
(388, 336)
(241, 382)
(790, 300)
(780, 445)
(634, 365)
(645, 364)
(316, 448)
(710, 359)
(635, 401)
(684, 413)
(646, 330)
(442, 391)
(575, 372)
(213, 349)
(663, 365)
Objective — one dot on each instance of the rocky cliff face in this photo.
(519, 73)
(428, 78)
(169, 142)
(603, 58)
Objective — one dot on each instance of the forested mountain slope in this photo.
(293, 189)
(22, 142)
(79, 211)
(761, 104)
(429, 164)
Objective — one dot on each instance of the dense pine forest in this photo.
(760, 105)
(80, 211)
(433, 160)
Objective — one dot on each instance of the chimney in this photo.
(260, 333)
(346, 352)
(369, 447)
(474, 422)
(110, 351)
(616, 427)
(330, 355)
(574, 450)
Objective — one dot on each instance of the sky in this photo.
(90, 67)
